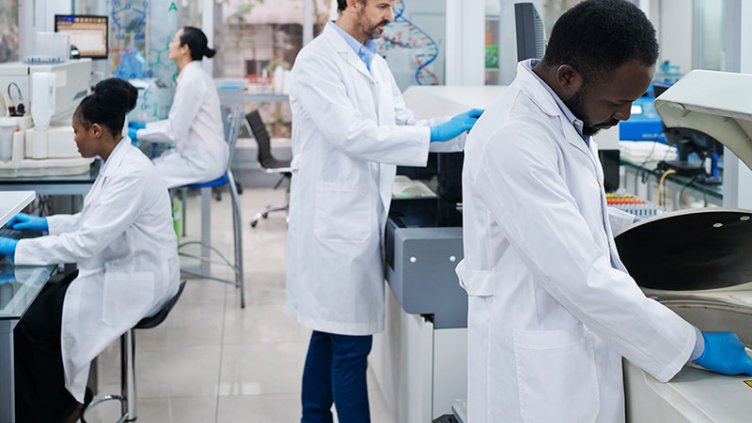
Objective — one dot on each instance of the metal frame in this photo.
(235, 116)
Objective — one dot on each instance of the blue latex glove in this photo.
(455, 126)
(724, 353)
(27, 221)
(132, 133)
(136, 124)
(8, 246)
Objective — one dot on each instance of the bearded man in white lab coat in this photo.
(552, 310)
(350, 130)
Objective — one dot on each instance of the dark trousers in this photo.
(40, 384)
(335, 372)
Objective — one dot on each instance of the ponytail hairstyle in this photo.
(197, 43)
(111, 100)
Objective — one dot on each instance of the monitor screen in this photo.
(87, 32)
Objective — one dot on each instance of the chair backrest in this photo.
(232, 119)
(155, 320)
(258, 129)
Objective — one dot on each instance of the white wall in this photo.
(675, 32)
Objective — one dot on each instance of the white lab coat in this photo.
(125, 247)
(194, 125)
(350, 130)
(552, 310)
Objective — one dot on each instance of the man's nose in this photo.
(389, 15)
(624, 113)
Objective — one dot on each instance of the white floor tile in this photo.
(212, 362)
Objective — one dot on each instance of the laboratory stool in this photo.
(204, 258)
(127, 395)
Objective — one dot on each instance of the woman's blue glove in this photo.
(132, 134)
(455, 126)
(27, 221)
(8, 246)
(724, 353)
(136, 124)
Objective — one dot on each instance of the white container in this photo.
(8, 127)
(42, 98)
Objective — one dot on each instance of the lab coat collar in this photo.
(116, 156)
(345, 51)
(188, 69)
(532, 85)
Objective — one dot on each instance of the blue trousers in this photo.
(335, 373)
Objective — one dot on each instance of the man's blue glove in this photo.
(724, 353)
(136, 124)
(27, 221)
(132, 134)
(455, 126)
(8, 246)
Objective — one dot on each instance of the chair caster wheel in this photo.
(253, 224)
(265, 215)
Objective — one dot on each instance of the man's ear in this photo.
(570, 80)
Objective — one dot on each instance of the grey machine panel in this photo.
(423, 247)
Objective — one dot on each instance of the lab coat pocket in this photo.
(127, 296)
(475, 282)
(556, 376)
(344, 212)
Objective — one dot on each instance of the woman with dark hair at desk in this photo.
(126, 251)
(194, 123)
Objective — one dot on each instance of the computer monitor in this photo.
(531, 38)
(87, 32)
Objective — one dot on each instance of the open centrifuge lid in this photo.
(718, 104)
(689, 250)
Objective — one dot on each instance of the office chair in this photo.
(268, 162)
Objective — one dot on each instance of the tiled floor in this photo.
(212, 361)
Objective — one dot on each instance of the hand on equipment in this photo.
(724, 353)
(27, 221)
(8, 246)
(136, 124)
(455, 126)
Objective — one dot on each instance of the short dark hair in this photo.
(342, 4)
(197, 42)
(111, 100)
(598, 36)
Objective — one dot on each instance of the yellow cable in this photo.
(660, 185)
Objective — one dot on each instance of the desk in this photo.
(242, 97)
(19, 286)
(53, 185)
(674, 184)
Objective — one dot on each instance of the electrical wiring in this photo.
(661, 194)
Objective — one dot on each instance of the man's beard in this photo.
(575, 105)
(375, 32)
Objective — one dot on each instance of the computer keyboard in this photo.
(19, 233)
(12, 233)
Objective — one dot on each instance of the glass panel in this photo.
(19, 286)
(258, 39)
(708, 35)
(413, 43)
(493, 30)
(8, 31)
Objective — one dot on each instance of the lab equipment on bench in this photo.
(697, 262)
(41, 143)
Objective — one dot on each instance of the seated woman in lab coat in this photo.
(126, 251)
(194, 124)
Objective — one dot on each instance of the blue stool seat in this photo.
(221, 181)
